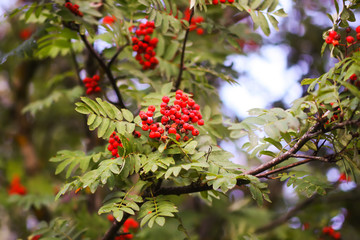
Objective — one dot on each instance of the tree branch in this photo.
(105, 68)
(177, 83)
(266, 174)
(111, 233)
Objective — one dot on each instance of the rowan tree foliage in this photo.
(112, 123)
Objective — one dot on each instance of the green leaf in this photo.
(264, 23)
(127, 115)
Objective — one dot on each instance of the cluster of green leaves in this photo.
(262, 13)
(276, 123)
(305, 183)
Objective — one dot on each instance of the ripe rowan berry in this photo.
(165, 99)
(350, 39)
(332, 34)
(357, 29)
(329, 40)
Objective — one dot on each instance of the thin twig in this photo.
(76, 65)
(266, 174)
(177, 83)
(323, 159)
(105, 68)
(119, 50)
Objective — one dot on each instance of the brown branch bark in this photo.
(111, 233)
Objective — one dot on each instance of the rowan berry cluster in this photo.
(215, 2)
(195, 21)
(176, 119)
(16, 187)
(334, 37)
(331, 232)
(74, 9)
(114, 143)
(335, 115)
(92, 84)
(145, 46)
(130, 225)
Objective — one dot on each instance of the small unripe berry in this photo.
(348, 29)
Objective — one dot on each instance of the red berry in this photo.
(357, 29)
(136, 48)
(172, 130)
(153, 42)
(153, 127)
(335, 43)
(200, 31)
(215, 2)
(114, 152)
(201, 122)
(350, 39)
(230, 1)
(149, 113)
(329, 40)
(147, 38)
(185, 118)
(332, 34)
(179, 92)
(165, 99)
(348, 29)
(150, 120)
(195, 132)
(353, 77)
(110, 217)
(152, 135)
(178, 137)
(336, 235)
(223, 1)
(145, 127)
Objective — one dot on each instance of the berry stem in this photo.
(177, 83)
(105, 68)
